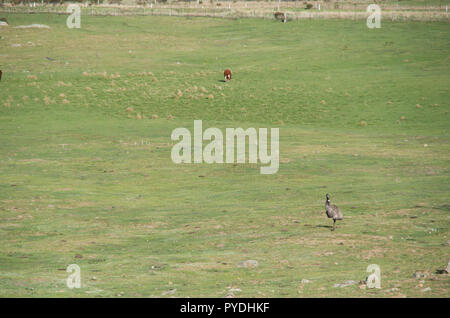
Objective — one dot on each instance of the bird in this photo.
(227, 75)
(332, 211)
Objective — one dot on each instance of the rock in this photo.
(38, 26)
(248, 264)
(426, 289)
(305, 281)
(447, 269)
(392, 290)
(169, 292)
(420, 275)
(345, 284)
(235, 290)
(3, 23)
(229, 295)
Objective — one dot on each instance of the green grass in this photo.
(87, 177)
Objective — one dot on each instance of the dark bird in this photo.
(332, 211)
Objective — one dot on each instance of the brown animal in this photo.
(0, 75)
(280, 16)
(227, 75)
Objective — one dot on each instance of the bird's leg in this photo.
(334, 222)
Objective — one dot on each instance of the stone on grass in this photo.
(37, 26)
(394, 289)
(346, 283)
(169, 292)
(248, 264)
(420, 275)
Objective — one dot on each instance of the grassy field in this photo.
(86, 175)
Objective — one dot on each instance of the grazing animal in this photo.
(332, 211)
(227, 75)
(280, 16)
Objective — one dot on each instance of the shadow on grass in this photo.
(319, 226)
(324, 226)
